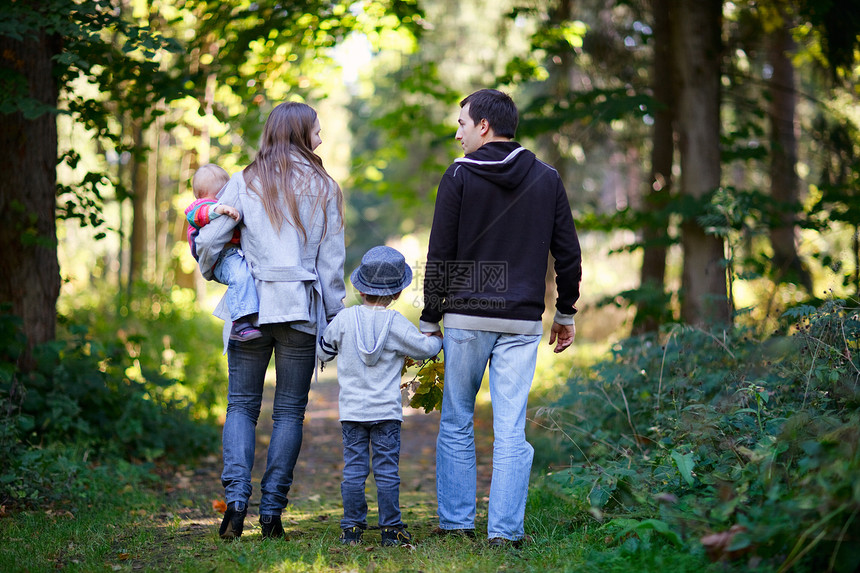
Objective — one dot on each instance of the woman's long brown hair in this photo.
(286, 136)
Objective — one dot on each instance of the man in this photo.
(499, 213)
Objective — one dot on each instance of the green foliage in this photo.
(106, 66)
(603, 106)
(837, 28)
(636, 533)
(119, 68)
(394, 156)
(707, 432)
(273, 50)
(80, 398)
(167, 340)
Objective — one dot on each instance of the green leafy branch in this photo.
(427, 383)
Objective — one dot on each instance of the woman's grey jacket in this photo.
(298, 281)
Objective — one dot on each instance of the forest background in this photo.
(712, 159)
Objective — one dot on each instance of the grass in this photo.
(132, 521)
(135, 518)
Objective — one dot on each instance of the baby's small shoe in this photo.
(244, 332)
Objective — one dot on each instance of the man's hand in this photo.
(228, 210)
(564, 333)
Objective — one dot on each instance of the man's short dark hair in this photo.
(497, 108)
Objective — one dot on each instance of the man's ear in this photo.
(484, 127)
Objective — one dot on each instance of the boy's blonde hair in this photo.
(208, 180)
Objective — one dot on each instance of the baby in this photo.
(230, 268)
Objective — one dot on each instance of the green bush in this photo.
(78, 403)
(746, 446)
(167, 339)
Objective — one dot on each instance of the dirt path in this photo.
(318, 471)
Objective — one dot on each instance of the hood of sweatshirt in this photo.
(503, 163)
(372, 327)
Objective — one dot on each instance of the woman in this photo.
(292, 238)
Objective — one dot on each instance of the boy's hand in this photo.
(228, 210)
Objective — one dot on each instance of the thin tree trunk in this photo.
(181, 277)
(29, 269)
(655, 235)
(150, 271)
(164, 213)
(697, 33)
(785, 186)
(139, 203)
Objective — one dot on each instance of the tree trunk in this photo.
(178, 231)
(29, 269)
(139, 205)
(703, 282)
(164, 186)
(655, 234)
(784, 183)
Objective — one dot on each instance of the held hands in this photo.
(564, 333)
(228, 210)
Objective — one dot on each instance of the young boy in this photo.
(371, 343)
(231, 268)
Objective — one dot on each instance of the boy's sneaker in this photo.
(351, 535)
(272, 527)
(234, 521)
(392, 536)
(244, 332)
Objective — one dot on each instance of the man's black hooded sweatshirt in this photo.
(499, 213)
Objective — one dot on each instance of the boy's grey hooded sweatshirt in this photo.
(371, 344)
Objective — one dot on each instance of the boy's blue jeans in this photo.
(232, 270)
(359, 439)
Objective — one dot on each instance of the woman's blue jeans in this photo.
(359, 439)
(295, 355)
(512, 359)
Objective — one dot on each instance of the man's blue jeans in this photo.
(232, 270)
(359, 439)
(295, 354)
(512, 359)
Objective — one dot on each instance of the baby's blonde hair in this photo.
(208, 180)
